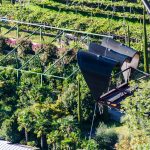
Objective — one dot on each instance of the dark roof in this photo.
(118, 47)
(103, 51)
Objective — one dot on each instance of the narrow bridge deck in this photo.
(115, 96)
(4, 145)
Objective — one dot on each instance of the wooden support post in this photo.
(17, 32)
(17, 77)
(129, 36)
(145, 52)
(0, 29)
(79, 103)
(41, 80)
(98, 4)
(16, 59)
(41, 35)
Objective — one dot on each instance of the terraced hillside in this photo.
(47, 76)
(103, 17)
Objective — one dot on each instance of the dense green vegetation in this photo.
(56, 113)
(137, 119)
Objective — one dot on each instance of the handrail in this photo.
(121, 71)
(147, 5)
(144, 73)
(56, 28)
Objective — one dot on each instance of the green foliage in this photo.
(136, 108)
(49, 53)
(3, 45)
(106, 137)
(97, 24)
(65, 134)
(138, 104)
(69, 98)
(124, 143)
(24, 48)
(44, 111)
(9, 130)
(25, 119)
(89, 144)
(31, 143)
(8, 94)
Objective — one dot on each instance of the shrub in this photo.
(10, 132)
(89, 144)
(136, 108)
(131, 143)
(23, 142)
(49, 53)
(24, 48)
(3, 44)
(106, 137)
(124, 143)
(31, 143)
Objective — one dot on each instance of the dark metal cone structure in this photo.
(96, 71)
(98, 63)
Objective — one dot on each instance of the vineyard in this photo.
(44, 100)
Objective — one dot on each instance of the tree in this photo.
(25, 121)
(89, 144)
(8, 94)
(69, 97)
(65, 134)
(30, 90)
(136, 118)
(43, 116)
(9, 130)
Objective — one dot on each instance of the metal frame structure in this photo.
(39, 27)
(130, 89)
(147, 5)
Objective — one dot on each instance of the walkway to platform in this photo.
(4, 145)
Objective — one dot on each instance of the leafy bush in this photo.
(124, 143)
(10, 132)
(65, 134)
(24, 48)
(31, 143)
(3, 44)
(136, 108)
(130, 143)
(49, 53)
(89, 144)
(69, 98)
(106, 137)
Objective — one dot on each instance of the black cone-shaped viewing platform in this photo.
(97, 66)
